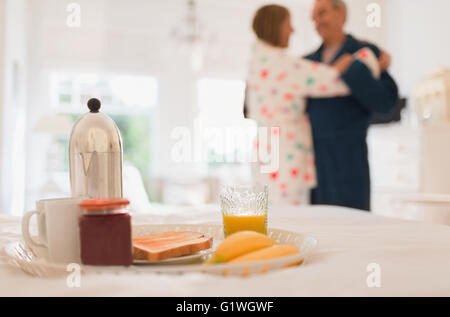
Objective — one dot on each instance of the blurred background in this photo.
(158, 65)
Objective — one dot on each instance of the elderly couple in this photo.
(320, 105)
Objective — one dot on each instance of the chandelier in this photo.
(190, 37)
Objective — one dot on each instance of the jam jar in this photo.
(105, 232)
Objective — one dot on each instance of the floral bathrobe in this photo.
(277, 88)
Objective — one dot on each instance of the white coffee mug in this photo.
(58, 231)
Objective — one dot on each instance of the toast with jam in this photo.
(161, 246)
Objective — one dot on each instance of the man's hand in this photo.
(343, 62)
(384, 61)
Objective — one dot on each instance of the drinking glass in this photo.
(244, 208)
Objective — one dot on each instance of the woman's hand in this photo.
(343, 63)
(384, 61)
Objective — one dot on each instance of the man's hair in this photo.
(267, 23)
(339, 4)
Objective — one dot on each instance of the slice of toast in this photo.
(160, 246)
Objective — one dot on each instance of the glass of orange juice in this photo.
(244, 208)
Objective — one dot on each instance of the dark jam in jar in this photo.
(105, 232)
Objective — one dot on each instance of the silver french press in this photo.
(95, 155)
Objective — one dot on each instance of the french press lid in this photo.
(95, 132)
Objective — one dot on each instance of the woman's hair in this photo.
(267, 23)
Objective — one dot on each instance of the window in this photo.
(221, 104)
(127, 99)
(69, 92)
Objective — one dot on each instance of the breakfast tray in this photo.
(30, 261)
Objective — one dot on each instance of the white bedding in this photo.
(413, 257)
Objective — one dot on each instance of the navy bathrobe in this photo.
(339, 127)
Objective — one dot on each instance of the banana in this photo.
(272, 252)
(240, 243)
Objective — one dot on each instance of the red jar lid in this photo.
(99, 204)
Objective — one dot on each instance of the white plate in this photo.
(31, 262)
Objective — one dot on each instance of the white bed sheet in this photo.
(414, 260)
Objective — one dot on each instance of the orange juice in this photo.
(234, 223)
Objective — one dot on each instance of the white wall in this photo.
(13, 110)
(2, 92)
(417, 35)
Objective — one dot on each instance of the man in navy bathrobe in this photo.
(340, 124)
